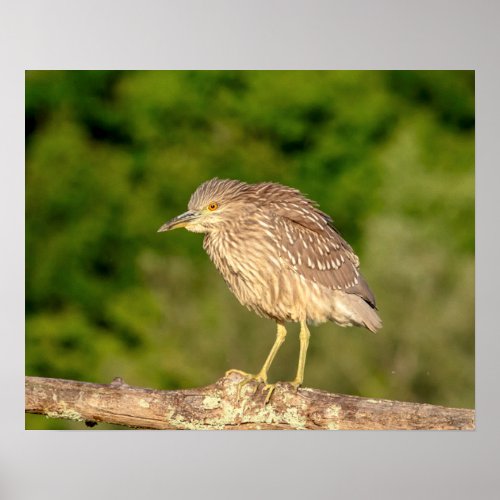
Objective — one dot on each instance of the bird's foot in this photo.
(260, 378)
(239, 372)
(270, 389)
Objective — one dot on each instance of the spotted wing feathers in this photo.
(318, 252)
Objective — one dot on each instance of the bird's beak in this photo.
(179, 221)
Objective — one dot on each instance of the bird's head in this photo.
(216, 204)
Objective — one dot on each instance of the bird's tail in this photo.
(351, 309)
(371, 319)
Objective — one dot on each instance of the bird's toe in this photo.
(270, 389)
(259, 378)
(296, 384)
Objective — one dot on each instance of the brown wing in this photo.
(309, 242)
(322, 255)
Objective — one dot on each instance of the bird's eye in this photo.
(213, 206)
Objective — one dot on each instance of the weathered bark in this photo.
(216, 407)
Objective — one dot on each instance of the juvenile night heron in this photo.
(282, 258)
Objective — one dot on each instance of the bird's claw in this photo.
(260, 378)
(239, 372)
(270, 389)
(257, 378)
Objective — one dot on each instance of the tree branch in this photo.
(216, 407)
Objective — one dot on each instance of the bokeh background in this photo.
(111, 155)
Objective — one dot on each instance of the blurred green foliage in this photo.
(111, 155)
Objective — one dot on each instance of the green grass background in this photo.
(111, 155)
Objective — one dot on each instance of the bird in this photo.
(282, 257)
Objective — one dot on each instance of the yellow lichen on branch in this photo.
(217, 407)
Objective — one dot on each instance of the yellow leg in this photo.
(304, 343)
(280, 338)
(262, 375)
